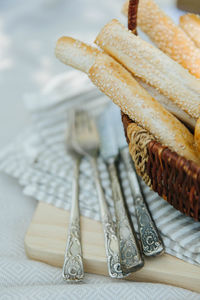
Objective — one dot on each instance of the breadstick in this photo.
(169, 105)
(152, 65)
(75, 53)
(117, 83)
(190, 23)
(80, 56)
(169, 37)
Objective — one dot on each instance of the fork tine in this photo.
(69, 132)
(87, 136)
(82, 120)
(78, 121)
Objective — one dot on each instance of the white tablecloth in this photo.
(28, 31)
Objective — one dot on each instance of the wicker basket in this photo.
(173, 177)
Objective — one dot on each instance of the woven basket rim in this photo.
(172, 176)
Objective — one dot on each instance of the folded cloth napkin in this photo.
(39, 160)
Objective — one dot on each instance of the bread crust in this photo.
(169, 105)
(152, 66)
(75, 53)
(169, 37)
(190, 23)
(118, 84)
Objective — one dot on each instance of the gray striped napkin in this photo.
(38, 159)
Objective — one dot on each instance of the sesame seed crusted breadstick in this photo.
(117, 83)
(169, 37)
(75, 53)
(125, 8)
(152, 66)
(169, 105)
(190, 23)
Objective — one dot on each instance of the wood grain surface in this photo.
(46, 237)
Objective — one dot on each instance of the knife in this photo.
(130, 254)
(152, 244)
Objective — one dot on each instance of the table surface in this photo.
(28, 32)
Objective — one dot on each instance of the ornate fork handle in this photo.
(110, 237)
(151, 241)
(131, 258)
(73, 262)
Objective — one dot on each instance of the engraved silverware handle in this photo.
(131, 258)
(110, 237)
(73, 261)
(151, 241)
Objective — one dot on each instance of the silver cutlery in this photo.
(151, 241)
(73, 261)
(88, 144)
(130, 255)
(152, 244)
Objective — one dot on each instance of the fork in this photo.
(88, 144)
(73, 261)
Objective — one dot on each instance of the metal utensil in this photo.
(73, 261)
(131, 257)
(151, 241)
(88, 144)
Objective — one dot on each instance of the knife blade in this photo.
(131, 258)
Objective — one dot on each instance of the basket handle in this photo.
(132, 15)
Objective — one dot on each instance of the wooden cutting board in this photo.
(46, 238)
